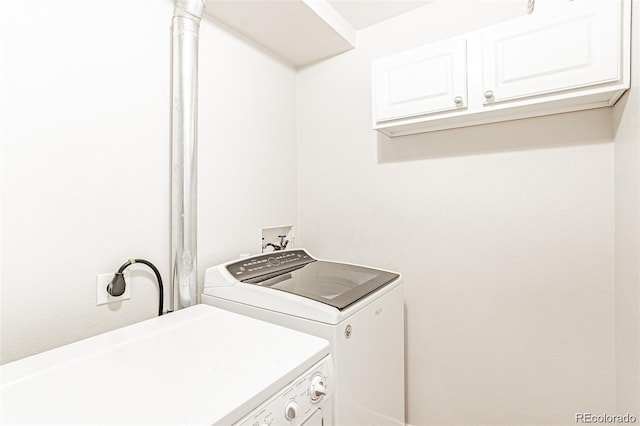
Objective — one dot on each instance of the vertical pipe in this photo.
(184, 127)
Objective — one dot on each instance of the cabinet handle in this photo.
(488, 94)
(457, 100)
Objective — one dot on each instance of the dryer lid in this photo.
(196, 366)
(295, 271)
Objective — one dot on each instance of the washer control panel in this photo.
(274, 262)
(297, 402)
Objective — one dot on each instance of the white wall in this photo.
(86, 160)
(504, 234)
(85, 155)
(247, 146)
(627, 234)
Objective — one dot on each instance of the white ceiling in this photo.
(363, 13)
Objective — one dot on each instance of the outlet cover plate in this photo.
(102, 297)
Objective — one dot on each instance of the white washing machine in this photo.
(197, 366)
(359, 310)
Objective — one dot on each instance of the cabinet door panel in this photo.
(574, 46)
(421, 81)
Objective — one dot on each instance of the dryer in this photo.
(197, 366)
(358, 309)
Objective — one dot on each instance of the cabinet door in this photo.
(420, 81)
(573, 46)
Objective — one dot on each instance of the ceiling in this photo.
(363, 13)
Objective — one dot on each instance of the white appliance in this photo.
(359, 310)
(197, 366)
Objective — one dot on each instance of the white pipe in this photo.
(184, 128)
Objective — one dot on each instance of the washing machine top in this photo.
(200, 365)
(296, 283)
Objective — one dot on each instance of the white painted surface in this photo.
(571, 59)
(425, 80)
(335, 20)
(299, 31)
(504, 235)
(182, 368)
(627, 234)
(361, 14)
(579, 45)
(247, 146)
(304, 31)
(86, 167)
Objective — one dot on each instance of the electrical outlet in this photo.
(102, 296)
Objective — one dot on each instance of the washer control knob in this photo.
(291, 411)
(318, 387)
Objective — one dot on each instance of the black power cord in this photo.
(117, 285)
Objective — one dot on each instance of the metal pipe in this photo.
(184, 127)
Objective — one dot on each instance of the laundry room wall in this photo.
(627, 234)
(247, 152)
(85, 109)
(504, 234)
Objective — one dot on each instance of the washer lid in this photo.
(335, 284)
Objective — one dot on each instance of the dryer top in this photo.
(197, 366)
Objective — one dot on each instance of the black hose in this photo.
(158, 277)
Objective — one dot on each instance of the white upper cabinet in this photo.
(573, 57)
(425, 80)
(577, 46)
